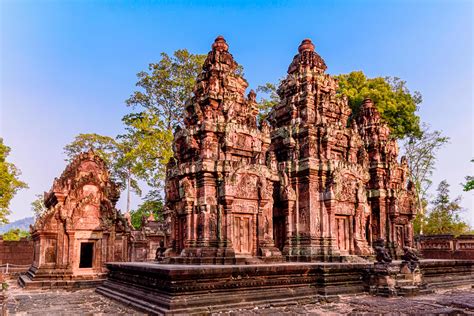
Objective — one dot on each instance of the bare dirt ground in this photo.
(458, 301)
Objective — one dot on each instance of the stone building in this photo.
(222, 179)
(144, 242)
(317, 183)
(81, 229)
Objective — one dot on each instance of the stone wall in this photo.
(446, 247)
(16, 252)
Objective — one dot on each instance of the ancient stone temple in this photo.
(317, 183)
(222, 179)
(81, 229)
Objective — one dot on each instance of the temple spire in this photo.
(306, 45)
(307, 58)
(220, 44)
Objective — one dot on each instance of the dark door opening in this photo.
(87, 254)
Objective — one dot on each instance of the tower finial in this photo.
(220, 44)
(306, 45)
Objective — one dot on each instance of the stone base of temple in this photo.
(175, 289)
(162, 288)
(58, 278)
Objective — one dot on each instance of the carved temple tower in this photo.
(219, 188)
(324, 160)
(391, 194)
(319, 184)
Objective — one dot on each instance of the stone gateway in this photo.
(81, 229)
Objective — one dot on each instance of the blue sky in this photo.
(68, 66)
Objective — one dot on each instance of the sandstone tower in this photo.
(313, 182)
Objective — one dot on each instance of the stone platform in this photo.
(165, 289)
(56, 278)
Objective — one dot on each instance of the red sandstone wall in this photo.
(16, 252)
(446, 247)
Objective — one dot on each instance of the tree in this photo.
(38, 207)
(147, 208)
(10, 183)
(396, 104)
(160, 103)
(167, 86)
(150, 148)
(15, 234)
(421, 156)
(469, 185)
(116, 155)
(444, 217)
(265, 105)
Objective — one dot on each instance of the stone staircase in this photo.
(405, 286)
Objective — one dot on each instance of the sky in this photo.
(67, 66)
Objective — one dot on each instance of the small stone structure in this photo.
(81, 229)
(307, 184)
(446, 246)
(144, 243)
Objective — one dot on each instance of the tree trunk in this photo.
(128, 191)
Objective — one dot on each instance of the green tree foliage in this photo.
(421, 153)
(267, 103)
(151, 206)
(167, 85)
(143, 151)
(9, 182)
(15, 234)
(37, 206)
(150, 148)
(469, 185)
(158, 109)
(396, 104)
(444, 216)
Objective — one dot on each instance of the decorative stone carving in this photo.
(340, 184)
(81, 229)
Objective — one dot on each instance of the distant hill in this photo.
(23, 224)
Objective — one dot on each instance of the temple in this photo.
(81, 229)
(312, 182)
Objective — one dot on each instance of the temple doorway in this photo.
(87, 255)
(242, 235)
(279, 231)
(342, 233)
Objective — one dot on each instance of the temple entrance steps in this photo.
(406, 287)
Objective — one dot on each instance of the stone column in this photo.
(188, 209)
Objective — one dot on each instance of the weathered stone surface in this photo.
(16, 252)
(446, 247)
(313, 185)
(174, 288)
(177, 288)
(220, 186)
(61, 302)
(86, 302)
(80, 230)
